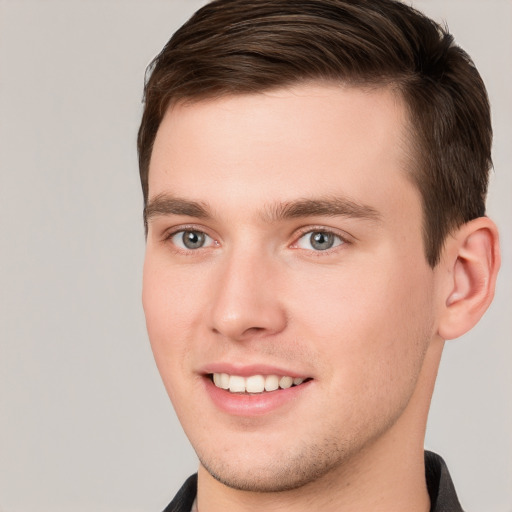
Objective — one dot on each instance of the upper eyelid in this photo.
(170, 232)
(343, 235)
(295, 245)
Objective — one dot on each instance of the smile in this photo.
(254, 383)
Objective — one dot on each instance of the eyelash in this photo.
(343, 239)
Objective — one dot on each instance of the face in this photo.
(287, 296)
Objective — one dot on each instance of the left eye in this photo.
(319, 240)
(190, 240)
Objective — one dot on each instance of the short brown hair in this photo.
(248, 46)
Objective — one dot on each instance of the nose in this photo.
(247, 302)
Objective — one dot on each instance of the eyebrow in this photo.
(164, 204)
(326, 207)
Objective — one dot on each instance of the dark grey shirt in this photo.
(443, 497)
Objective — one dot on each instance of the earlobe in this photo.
(473, 260)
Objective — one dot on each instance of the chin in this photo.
(275, 473)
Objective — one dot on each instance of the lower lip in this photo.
(258, 404)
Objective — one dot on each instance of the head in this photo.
(232, 47)
(314, 175)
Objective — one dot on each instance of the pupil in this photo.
(193, 239)
(322, 241)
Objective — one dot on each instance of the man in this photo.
(314, 175)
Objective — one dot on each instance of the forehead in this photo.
(313, 139)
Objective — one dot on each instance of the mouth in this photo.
(254, 384)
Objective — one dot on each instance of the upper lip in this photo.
(251, 369)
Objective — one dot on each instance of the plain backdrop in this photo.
(85, 424)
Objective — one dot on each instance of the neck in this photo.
(387, 474)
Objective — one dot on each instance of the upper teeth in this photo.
(254, 383)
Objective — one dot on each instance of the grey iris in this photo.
(193, 239)
(321, 241)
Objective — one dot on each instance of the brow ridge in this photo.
(164, 204)
(325, 207)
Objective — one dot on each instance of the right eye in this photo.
(190, 240)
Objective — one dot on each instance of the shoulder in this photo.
(443, 497)
(185, 497)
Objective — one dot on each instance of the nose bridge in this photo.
(247, 299)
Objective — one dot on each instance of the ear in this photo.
(470, 264)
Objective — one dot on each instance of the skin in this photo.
(363, 320)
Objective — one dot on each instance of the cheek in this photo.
(170, 307)
(375, 323)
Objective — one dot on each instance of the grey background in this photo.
(85, 424)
